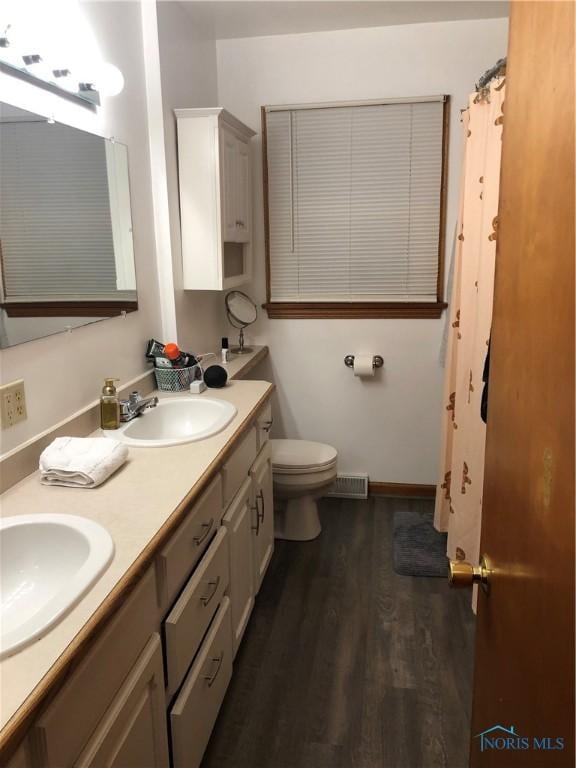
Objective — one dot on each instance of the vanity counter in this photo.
(141, 505)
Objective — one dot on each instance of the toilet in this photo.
(302, 472)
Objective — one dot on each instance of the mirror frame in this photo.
(74, 308)
(233, 317)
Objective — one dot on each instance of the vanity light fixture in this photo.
(48, 61)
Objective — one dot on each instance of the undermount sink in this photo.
(47, 562)
(175, 421)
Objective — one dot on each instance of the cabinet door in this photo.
(133, 734)
(262, 515)
(243, 192)
(229, 185)
(238, 521)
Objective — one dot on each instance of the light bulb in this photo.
(108, 79)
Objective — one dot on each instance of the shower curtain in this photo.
(459, 492)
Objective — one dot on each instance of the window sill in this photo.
(418, 310)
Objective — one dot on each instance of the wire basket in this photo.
(176, 379)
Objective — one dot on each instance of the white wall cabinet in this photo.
(262, 515)
(215, 177)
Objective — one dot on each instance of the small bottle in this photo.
(178, 358)
(225, 351)
(109, 406)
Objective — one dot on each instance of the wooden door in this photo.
(133, 733)
(262, 515)
(524, 680)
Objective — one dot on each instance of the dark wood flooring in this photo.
(345, 664)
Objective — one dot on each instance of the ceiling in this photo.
(238, 18)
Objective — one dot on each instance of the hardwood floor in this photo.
(344, 663)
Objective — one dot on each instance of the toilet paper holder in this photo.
(377, 361)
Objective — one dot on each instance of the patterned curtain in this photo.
(459, 493)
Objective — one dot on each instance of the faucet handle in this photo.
(134, 397)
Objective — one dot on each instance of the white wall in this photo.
(63, 373)
(390, 426)
(189, 79)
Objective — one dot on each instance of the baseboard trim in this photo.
(401, 489)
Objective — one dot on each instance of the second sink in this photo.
(175, 421)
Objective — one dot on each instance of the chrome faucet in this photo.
(135, 405)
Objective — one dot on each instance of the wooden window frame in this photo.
(68, 308)
(320, 310)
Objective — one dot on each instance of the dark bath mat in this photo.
(419, 549)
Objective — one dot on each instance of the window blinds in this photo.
(55, 221)
(354, 200)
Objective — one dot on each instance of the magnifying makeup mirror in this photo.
(242, 312)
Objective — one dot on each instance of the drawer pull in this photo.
(261, 497)
(211, 678)
(207, 528)
(257, 526)
(214, 584)
(267, 425)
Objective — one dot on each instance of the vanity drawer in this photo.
(195, 711)
(176, 561)
(62, 730)
(188, 621)
(237, 467)
(264, 425)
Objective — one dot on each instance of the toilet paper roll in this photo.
(363, 366)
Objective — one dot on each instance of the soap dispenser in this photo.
(109, 406)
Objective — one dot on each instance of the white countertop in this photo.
(133, 505)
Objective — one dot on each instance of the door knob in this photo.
(464, 574)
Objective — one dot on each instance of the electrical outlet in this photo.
(12, 404)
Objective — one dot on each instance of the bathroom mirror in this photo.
(66, 251)
(242, 312)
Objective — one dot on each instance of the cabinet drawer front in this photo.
(188, 544)
(264, 425)
(238, 466)
(238, 521)
(133, 733)
(63, 729)
(187, 622)
(194, 713)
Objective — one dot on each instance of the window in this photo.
(354, 208)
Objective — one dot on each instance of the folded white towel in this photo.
(81, 462)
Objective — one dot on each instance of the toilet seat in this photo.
(301, 457)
